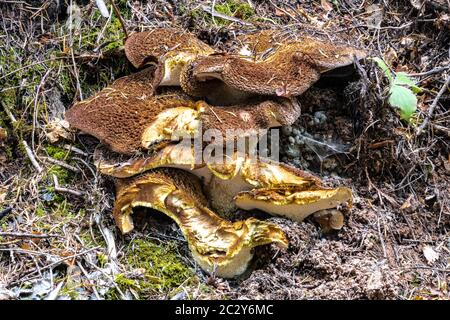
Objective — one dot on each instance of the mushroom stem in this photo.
(217, 245)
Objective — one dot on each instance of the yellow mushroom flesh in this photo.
(294, 203)
(217, 245)
(243, 182)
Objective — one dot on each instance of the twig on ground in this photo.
(102, 7)
(119, 16)
(28, 235)
(381, 238)
(433, 106)
(75, 149)
(425, 267)
(58, 188)
(72, 56)
(36, 101)
(214, 13)
(28, 150)
(32, 157)
(215, 114)
(55, 292)
(31, 65)
(62, 164)
(92, 284)
(23, 279)
(442, 129)
(213, 5)
(430, 72)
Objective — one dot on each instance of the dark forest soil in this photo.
(396, 240)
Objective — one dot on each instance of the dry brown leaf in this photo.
(280, 13)
(25, 246)
(3, 192)
(374, 16)
(58, 129)
(3, 134)
(443, 21)
(407, 203)
(390, 56)
(326, 5)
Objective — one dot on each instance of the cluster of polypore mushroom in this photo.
(185, 87)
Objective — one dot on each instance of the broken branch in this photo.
(433, 106)
(58, 188)
(32, 157)
(62, 164)
(119, 16)
(27, 235)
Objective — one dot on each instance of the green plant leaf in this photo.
(402, 78)
(404, 99)
(383, 66)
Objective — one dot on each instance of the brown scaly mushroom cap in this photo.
(274, 65)
(127, 116)
(144, 47)
(326, 54)
(171, 49)
(217, 245)
(242, 182)
(119, 114)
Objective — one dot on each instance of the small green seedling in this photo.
(402, 90)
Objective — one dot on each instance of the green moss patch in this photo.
(160, 266)
(232, 8)
(57, 152)
(237, 9)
